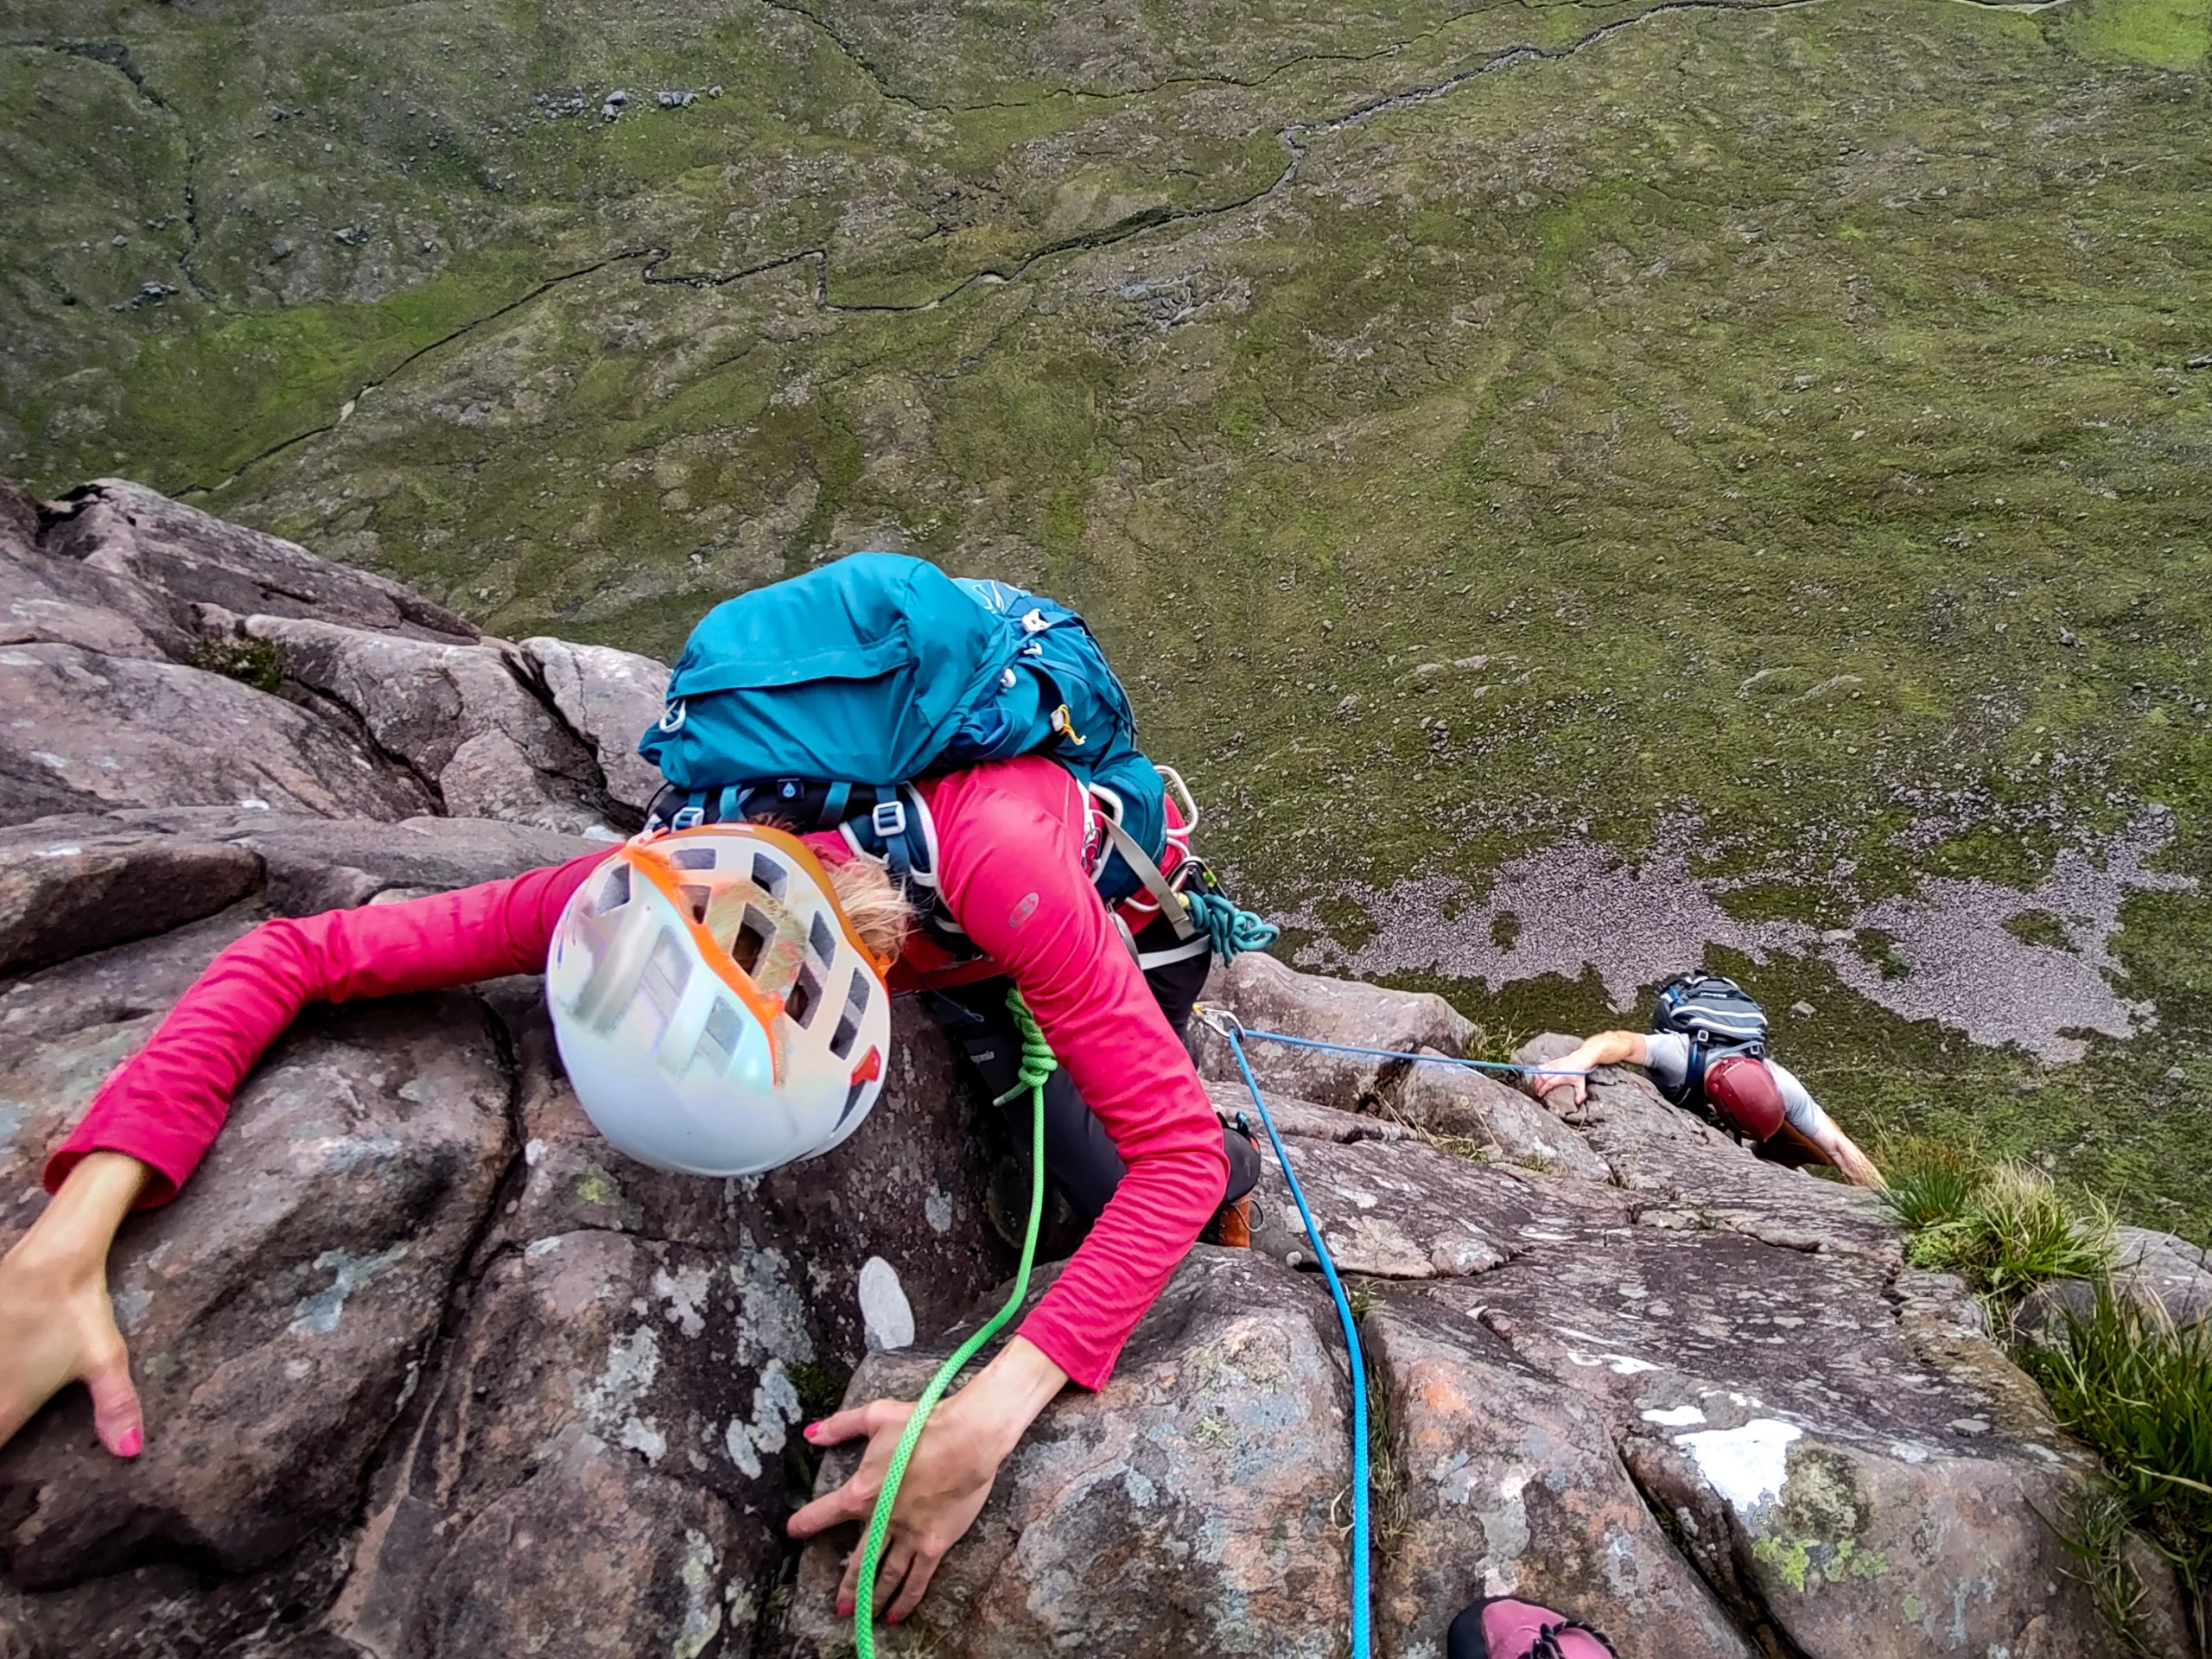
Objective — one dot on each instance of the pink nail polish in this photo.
(132, 1443)
(810, 1430)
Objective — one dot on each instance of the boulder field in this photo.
(429, 1370)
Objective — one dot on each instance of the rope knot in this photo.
(1037, 1061)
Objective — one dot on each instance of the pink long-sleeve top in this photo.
(1011, 843)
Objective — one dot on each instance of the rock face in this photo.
(457, 717)
(86, 731)
(1266, 995)
(608, 697)
(292, 1288)
(62, 894)
(429, 1371)
(1184, 1508)
(151, 656)
(171, 558)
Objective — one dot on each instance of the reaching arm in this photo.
(156, 1117)
(1013, 873)
(1570, 1069)
(57, 1325)
(1820, 1131)
(165, 1104)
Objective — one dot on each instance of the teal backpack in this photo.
(819, 701)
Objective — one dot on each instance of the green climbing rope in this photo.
(1037, 1066)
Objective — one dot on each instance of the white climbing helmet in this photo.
(717, 1014)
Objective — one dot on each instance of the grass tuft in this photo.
(256, 662)
(2005, 1230)
(2129, 1382)
(2122, 1378)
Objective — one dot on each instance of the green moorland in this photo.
(1803, 410)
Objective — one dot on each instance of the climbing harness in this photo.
(1037, 1064)
(1225, 1023)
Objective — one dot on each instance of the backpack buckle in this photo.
(688, 817)
(1034, 622)
(888, 818)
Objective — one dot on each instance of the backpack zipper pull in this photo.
(1063, 725)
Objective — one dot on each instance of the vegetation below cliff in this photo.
(1770, 437)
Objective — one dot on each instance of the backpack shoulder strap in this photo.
(1155, 883)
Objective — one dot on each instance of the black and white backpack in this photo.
(1718, 1016)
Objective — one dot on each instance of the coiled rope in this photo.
(1231, 931)
(1037, 1064)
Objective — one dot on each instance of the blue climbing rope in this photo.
(1228, 1027)
(1510, 1066)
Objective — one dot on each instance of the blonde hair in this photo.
(876, 905)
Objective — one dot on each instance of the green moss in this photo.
(821, 1389)
(1790, 1559)
(596, 1186)
(256, 662)
(2170, 34)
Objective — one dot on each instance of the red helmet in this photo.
(1744, 1095)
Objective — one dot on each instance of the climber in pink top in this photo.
(1137, 1149)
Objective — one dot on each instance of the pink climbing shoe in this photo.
(1505, 1627)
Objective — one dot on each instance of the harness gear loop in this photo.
(1036, 1067)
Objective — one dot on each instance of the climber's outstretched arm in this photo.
(1570, 1069)
(156, 1114)
(1819, 1130)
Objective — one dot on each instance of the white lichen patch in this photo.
(770, 1312)
(702, 1608)
(937, 1210)
(886, 1313)
(686, 1292)
(1618, 1365)
(609, 1401)
(641, 1435)
(1745, 1465)
(775, 1409)
(1505, 1535)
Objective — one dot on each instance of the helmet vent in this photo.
(824, 939)
(768, 876)
(666, 973)
(697, 899)
(693, 858)
(718, 1041)
(803, 1000)
(848, 1025)
(753, 933)
(614, 892)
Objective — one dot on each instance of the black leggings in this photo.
(1079, 1156)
